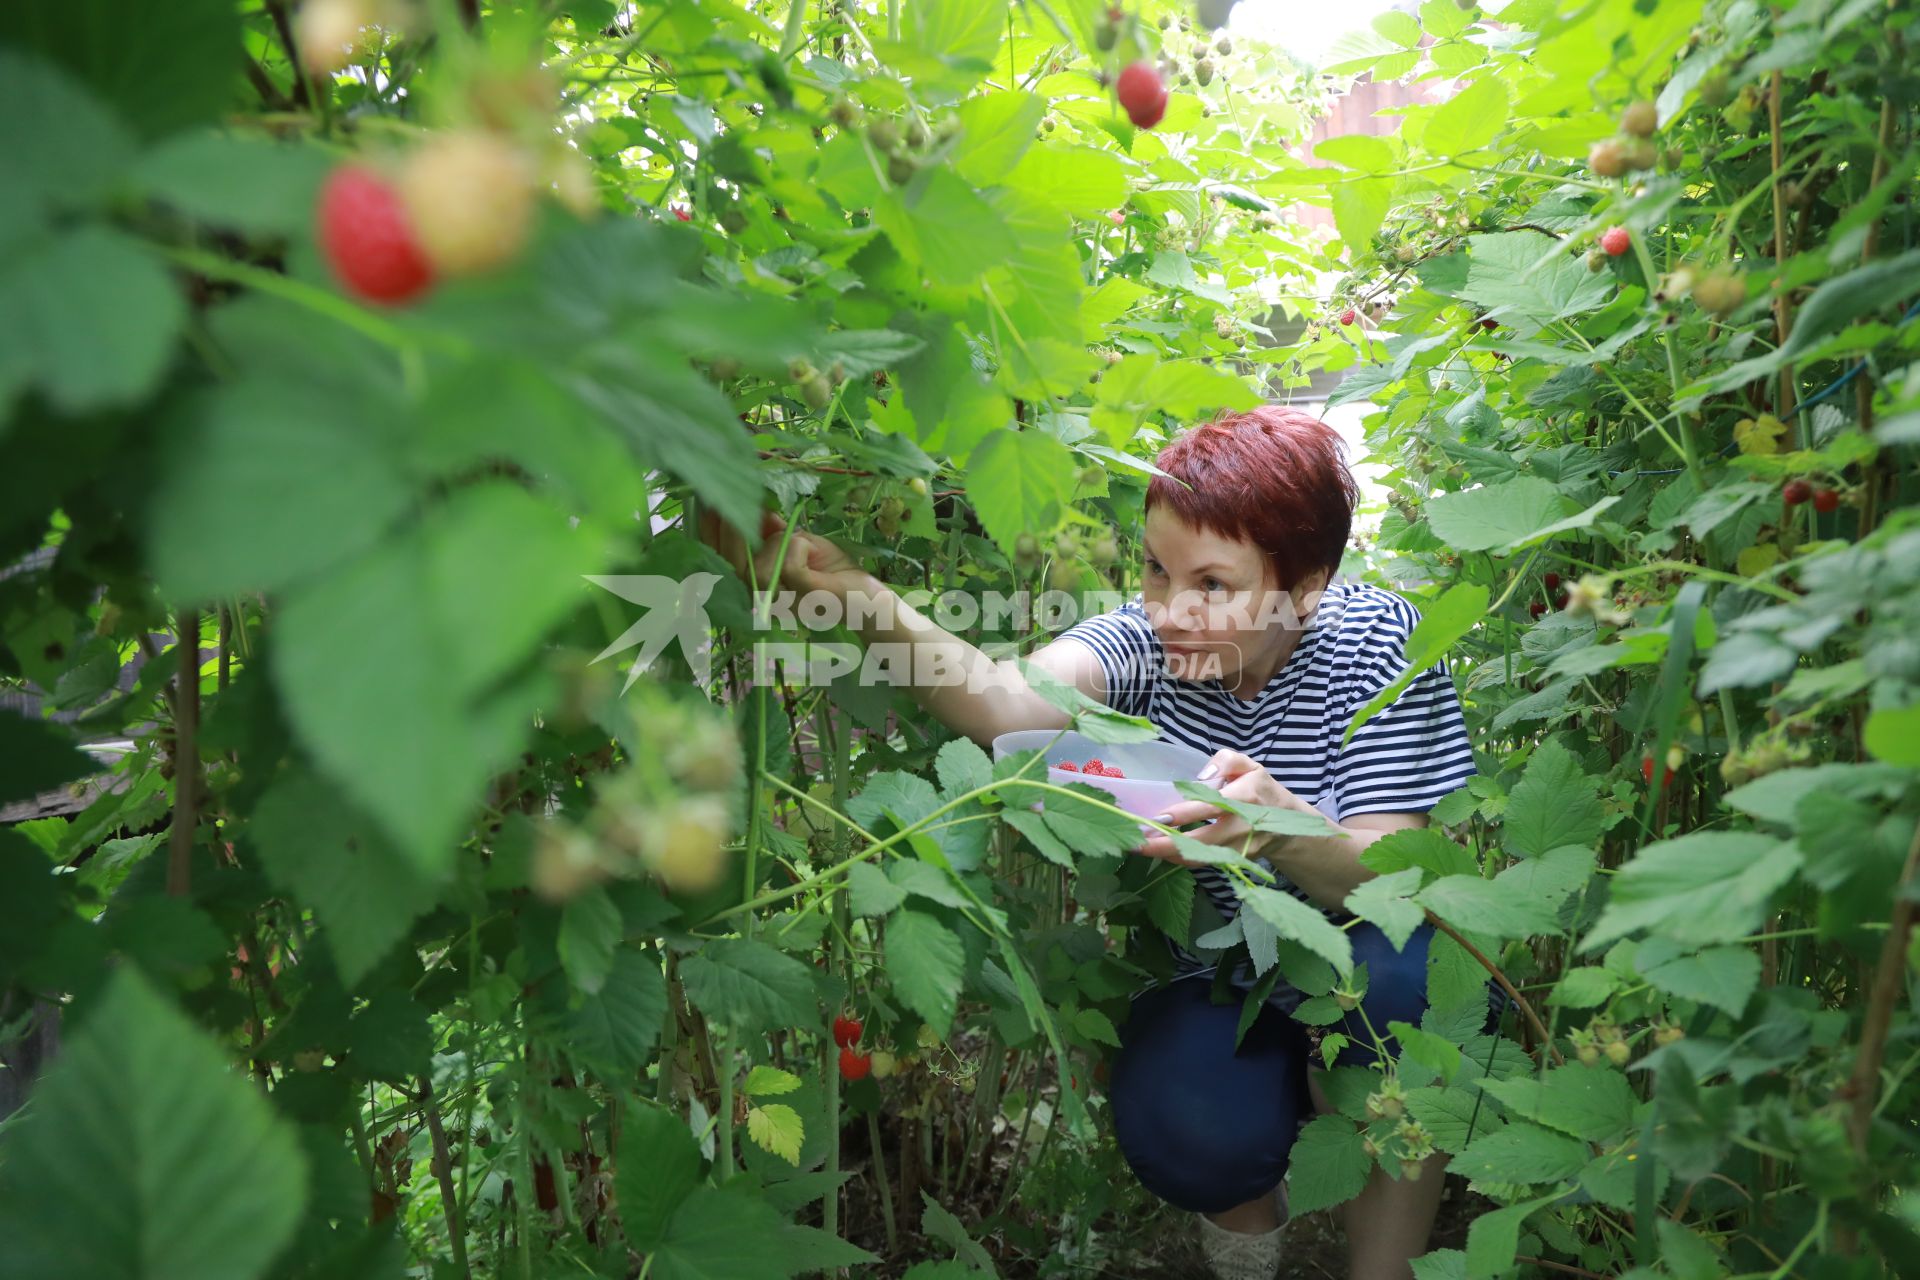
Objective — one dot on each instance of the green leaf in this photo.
(871, 893)
(618, 1026)
(769, 1082)
(1083, 181)
(1087, 829)
(1359, 207)
(269, 484)
(1096, 1026)
(590, 932)
(1698, 889)
(316, 845)
(1494, 1238)
(1528, 280)
(1556, 803)
(942, 224)
(995, 131)
(1521, 1153)
(1473, 905)
(251, 184)
(1301, 922)
(749, 986)
(1497, 514)
(1035, 829)
(1328, 1165)
(1384, 901)
(89, 317)
(1549, 880)
(1441, 1264)
(659, 1168)
(1725, 977)
(1584, 988)
(1019, 482)
(1436, 1053)
(1453, 1116)
(1170, 903)
(962, 767)
(1457, 611)
(37, 756)
(1595, 1103)
(162, 67)
(938, 1223)
(1400, 27)
(460, 600)
(926, 964)
(777, 1129)
(1467, 121)
(144, 1155)
(62, 147)
(1893, 734)
(1423, 847)
(722, 1234)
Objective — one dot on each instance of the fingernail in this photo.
(1163, 817)
(1209, 771)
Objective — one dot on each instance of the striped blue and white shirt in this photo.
(1403, 760)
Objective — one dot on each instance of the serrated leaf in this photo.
(870, 892)
(1494, 1238)
(1725, 977)
(769, 1082)
(926, 964)
(720, 1233)
(1555, 803)
(1453, 1116)
(1473, 905)
(1423, 847)
(1301, 922)
(1034, 828)
(590, 931)
(1383, 901)
(145, 1155)
(1328, 1165)
(659, 1167)
(776, 1129)
(1594, 1103)
(618, 1026)
(1170, 903)
(962, 767)
(1584, 988)
(1698, 889)
(748, 985)
(1496, 514)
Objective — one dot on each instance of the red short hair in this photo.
(1272, 476)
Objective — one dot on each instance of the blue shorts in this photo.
(1206, 1127)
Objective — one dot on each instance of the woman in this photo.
(1240, 644)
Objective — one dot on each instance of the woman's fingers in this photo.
(1227, 765)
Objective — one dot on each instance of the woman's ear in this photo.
(1306, 593)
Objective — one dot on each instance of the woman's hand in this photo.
(1236, 777)
(813, 563)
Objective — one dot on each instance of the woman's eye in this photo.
(1153, 566)
(1214, 584)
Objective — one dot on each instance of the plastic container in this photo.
(1151, 767)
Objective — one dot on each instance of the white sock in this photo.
(1235, 1255)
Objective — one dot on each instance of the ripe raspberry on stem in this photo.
(846, 1031)
(367, 238)
(855, 1065)
(1142, 94)
(1795, 492)
(1826, 500)
(1348, 316)
(1616, 241)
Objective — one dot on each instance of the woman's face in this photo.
(1216, 603)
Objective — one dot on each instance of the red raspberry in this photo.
(1646, 772)
(1347, 316)
(1094, 766)
(1114, 772)
(1795, 492)
(854, 1065)
(1550, 580)
(367, 238)
(1616, 241)
(846, 1031)
(1537, 608)
(1825, 500)
(1068, 766)
(682, 214)
(1142, 94)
